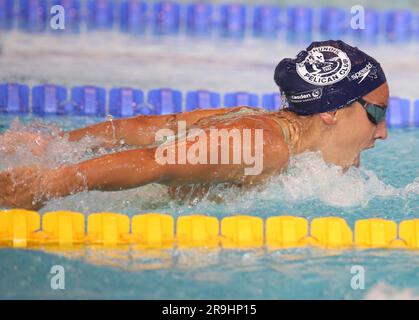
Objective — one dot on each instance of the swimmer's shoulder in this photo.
(194, 116)
(277, 137)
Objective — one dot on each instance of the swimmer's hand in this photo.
(11, 141)
(23, 188)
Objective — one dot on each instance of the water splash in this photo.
(412, 188)
(41, 143)
(383, 291)
(308, 179)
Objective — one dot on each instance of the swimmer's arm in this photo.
(134, 168)
(140, 130)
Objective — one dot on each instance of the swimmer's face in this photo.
(352, 132)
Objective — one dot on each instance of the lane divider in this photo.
(23, 228)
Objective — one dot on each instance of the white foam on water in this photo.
(309, 178)
(413, 188)
(58, 151)
(384, 291)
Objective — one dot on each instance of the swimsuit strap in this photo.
(281, 123)
(284, 132)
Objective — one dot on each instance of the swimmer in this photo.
(337, 108)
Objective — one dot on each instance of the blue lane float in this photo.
(266, 21)
(300, 24)
(6, 14)
(202, 99)
(72, 13)
(165, 100)
(166, 18)
(33, 15)
(133, 16)
(199, 19)
(89, 101)
(333, 22)
(398, 25)
(100, 14)
(398, 113)
(125, 102)
(371, 30)
(233, 99)
(50, 99)
(415, 28)
(233, 20)
(416, 113)
(14, 98)
(271, 101)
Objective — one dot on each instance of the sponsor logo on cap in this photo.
(363, 73)
(306, 96)
(324, 65)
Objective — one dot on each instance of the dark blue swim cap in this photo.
(328, 75)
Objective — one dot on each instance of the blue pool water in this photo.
(386, 185)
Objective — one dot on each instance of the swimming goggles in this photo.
(375, 112)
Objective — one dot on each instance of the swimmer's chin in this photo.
(356, 162)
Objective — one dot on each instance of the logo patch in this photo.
(324, 65)
(363, 73)
(306, 96)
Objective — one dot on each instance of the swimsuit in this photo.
(234, 114)
(244, 111)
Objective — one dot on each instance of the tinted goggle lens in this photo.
(375, 113)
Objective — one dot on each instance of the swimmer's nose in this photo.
(381, 131)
